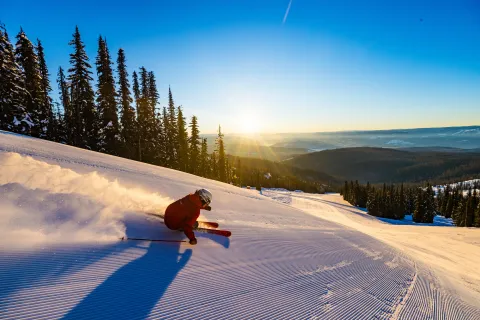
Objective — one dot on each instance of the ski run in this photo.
(290, 256)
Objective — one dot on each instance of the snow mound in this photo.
(41, 201)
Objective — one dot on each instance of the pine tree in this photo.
(27, 59)
(59, 127)
(84, 115)
(221, 156)
(460, 213)
(106, 102)
(171, 143)
(204, 161)
(128, 119)
(450, 206)
(182, 141)
(345, 191)
(213, 169)
(157, 129)
(477, 217)
(194, 150)
(239, 173)
(166, 138)
(401, 204)
(146, 120)
(45, 89)
(68, 115)
(446, 198)
(160, 140)
(372, 205)
(153, 95)
(429, 205)
(419, 212)
(136, 88)
(410, 201)
(13, 112)
(470, 209)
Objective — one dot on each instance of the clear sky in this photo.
(283, 66)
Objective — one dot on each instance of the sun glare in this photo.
(249, 123)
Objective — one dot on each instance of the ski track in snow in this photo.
(64, 208)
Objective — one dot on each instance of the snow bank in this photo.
(43, 202)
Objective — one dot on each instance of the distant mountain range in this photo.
(378, 165)
(437, 155)
(451, 137)
(281, 146)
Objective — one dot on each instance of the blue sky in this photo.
(326, 66)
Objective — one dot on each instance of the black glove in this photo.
(193, 241)
(208, 208)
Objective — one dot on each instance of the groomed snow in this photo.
(63, 210)
(453, 253)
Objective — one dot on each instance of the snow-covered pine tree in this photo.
(194, 149)
(108, 141)
(27, 59)
(13, 112)
(182, 141)
(128, 119)
(46, 100)
(84, 117)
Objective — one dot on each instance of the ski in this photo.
(224, 233)
(153, 240)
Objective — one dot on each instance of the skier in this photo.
(182, 214)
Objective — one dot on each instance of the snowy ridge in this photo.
(283, 261)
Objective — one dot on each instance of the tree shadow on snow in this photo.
(134, 289)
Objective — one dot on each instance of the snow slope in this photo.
(63, 210)
(453, 253)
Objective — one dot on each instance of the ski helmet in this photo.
(205, 196)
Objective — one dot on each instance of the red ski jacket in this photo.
(183, 213)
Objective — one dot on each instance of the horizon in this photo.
(290, 67)
(344, 131)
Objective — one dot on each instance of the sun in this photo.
(249, 123)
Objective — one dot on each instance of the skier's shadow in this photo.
(132, 291)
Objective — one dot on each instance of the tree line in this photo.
(462, 207)
(260, 173)
(395, 202)
(114, 117)
(118, 115)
